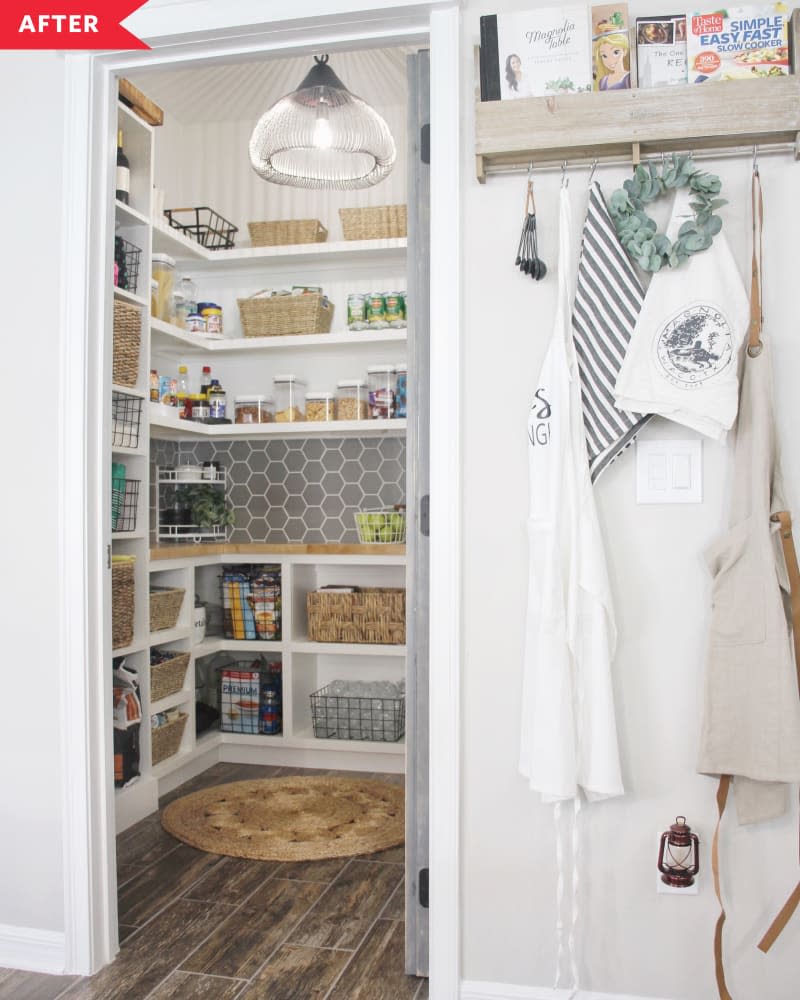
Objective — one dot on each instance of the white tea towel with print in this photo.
(608, 300)
(682, 361)
(569, 736)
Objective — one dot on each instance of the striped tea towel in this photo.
(608, 299)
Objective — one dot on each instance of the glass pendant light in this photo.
(322, 136)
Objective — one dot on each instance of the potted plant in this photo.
(205, 505)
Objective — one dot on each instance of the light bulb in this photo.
(322, 133)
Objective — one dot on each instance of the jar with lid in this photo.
(381, 391)
(289, 398)
(351, 400)
(254, 410)
(217, 400)
(212, 315)
(180, 308)
(319, 406)
(188, 290)
(164, 274)
(401, 391)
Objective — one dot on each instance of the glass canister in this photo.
(290, 394)
(352, 400)
(254, 410)
(319, 406)
(164, 274)
(401, 391)
(381, 380)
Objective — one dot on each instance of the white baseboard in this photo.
(32, 950)
(509, 991)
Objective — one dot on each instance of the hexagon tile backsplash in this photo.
(298, 491)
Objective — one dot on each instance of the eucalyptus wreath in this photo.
(639, 234)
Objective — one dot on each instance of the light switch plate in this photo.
(669, 471)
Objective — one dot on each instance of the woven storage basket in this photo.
(165, 606)
(374, 614)
(279, 315)
(285, 232)
(165, 740)
(167, 677)
(381, 222)
(123, 594)
(127, 338)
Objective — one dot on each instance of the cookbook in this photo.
(738, 43)
(661, 50)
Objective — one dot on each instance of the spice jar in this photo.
(381, 391)
(351, 400)
(289, 398)
(319, 406)
(253, 410)
(217, 400)
(164, 274)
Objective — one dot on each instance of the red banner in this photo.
(61, 24)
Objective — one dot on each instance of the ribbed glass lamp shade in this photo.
(322, 136)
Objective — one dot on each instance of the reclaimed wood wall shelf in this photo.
(633, 123)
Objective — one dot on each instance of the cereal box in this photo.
(738, 43)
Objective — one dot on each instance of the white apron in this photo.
(681, 361)
(568, 733)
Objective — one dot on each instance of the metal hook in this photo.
(530, 171)
(755, 160)
(593, 168)
(564, 174)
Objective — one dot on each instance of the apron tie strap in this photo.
(784, 518)
(722, 798)
(754, 345)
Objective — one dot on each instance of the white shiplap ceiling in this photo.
(220, 91)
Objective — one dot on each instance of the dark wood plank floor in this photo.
(197, 926)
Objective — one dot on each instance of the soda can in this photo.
(376, 311)
(356, 312)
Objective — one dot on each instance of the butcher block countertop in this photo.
(284, 549)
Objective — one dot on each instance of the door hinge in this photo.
(425, 143)
(423, 887)
(108, 556)
(424, 515)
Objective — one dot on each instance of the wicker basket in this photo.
(165, 740)
(127, 338)
(279, 315)
(165, 606)
(123, 595)
(286, 232)
(382, 222)
(167, 677)
(374, 614)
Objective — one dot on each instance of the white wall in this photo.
(31, 120)
(631, 940)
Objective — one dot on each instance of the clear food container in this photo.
(319, 406)
(290, 394)
(253, 410)
(401, 391)
(164, 274)
(352, 400)
(382, 379)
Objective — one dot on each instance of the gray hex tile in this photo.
(372, 501)
(390, 494)
(313, 517)
(333, 529)
(370, 482)
(258, 529)
(239, 535)
(314, 536)
(295, 506)
(295, 529)
(332, 459)
(351, 472)
(276, 518)
(240, 451)
(352, 494)
(204, 451)
(276, 472)
(313, 471)
(257, 506)
(391, 447)
(313, 448)
(295, 483)
(332, 482)
(334, 505)
(313, 494)
(258, 459)
(351, 448)
(239, 495)
(277, 450)
(391, 471)
(239, 472)
(370, 459)
(277, 494)
(257, 483)
(295, 460)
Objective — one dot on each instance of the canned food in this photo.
(195, 323)
(213, 319)
(395, 309)
(376, 311)
(357, 312)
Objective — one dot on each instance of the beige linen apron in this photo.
(751, 723)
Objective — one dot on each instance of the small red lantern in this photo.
(678, 855)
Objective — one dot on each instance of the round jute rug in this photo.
(301, 818)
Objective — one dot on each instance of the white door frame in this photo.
(236, 29)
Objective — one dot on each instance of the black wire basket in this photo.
(204, 225)
(127, 257)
